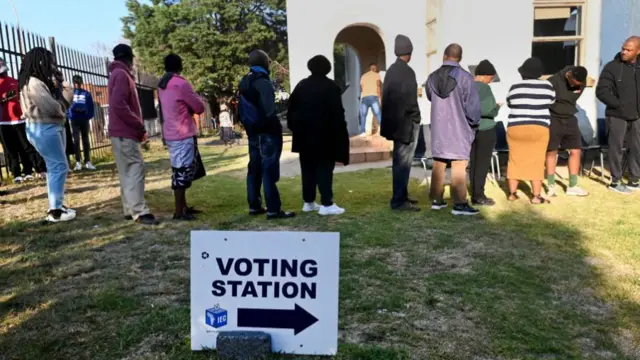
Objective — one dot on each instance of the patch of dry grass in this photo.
(519, 282)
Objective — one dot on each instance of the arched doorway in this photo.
(355, 48)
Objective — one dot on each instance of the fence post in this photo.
(52, 48)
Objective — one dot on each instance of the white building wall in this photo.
(483, 32)
(620, 20)
(314, 25)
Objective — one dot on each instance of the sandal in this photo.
(513, 197)
(539, 200)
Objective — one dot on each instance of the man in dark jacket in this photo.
(265, 143)
(316, 119)
(619, 89)
(564, 132)
(401, 124)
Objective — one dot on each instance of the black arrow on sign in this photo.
(297, 319)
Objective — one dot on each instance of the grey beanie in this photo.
(259, 58)
(403, 46)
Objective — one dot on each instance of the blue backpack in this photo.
(251, 116)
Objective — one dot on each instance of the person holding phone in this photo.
(13, 131)
(485, 140)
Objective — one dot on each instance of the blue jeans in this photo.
(264, 169)
(50, 142)
(369, 102)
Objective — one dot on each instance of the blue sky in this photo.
(98, 20)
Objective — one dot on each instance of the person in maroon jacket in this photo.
(127, 131)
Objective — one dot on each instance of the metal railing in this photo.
(14, 43)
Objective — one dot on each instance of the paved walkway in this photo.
(290, 167)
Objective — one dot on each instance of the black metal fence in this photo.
(15, 42)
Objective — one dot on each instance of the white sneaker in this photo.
(331, 210)
(310, 207)
(78, 167)
(576, 191)
(64, 208)
(28, 178)
(551, 191)
(89, 166)
(62, 216)
(18, 180)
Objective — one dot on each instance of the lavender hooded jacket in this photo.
(455, 111)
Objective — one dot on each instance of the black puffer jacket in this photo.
(619, 89)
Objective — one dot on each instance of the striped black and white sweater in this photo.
(529, 101)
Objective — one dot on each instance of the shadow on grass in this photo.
(510, 284)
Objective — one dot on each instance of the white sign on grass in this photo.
(282, 283)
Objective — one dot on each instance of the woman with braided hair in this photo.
(44, 106)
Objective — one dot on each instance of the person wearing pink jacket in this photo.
(178, 104)
(127, 131)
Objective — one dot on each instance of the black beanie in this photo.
(579, 73)
(485, 67)
(259, 58)
(403, 46)
(319, 65)
(531, 69)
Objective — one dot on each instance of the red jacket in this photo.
(125, 116)
(11, 110)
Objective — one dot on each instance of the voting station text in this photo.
(287, 269)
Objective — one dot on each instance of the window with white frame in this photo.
(558, 34)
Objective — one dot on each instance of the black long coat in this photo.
(316, 119)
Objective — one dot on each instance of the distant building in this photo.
(559, 32)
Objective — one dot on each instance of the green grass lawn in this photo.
(518, 282)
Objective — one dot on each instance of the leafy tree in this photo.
(213, 37)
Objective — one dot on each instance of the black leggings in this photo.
(317, 174)
(481, 151)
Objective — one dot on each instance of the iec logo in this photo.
(216, 317)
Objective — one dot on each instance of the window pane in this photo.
(556, 55)
(562, 21)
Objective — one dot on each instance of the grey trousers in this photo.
(131, 171)
(402, 159)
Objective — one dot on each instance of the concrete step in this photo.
(370, 141)
(368, 154)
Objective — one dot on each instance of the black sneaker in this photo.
(406, 207)
(184, 217)
(619, 188)
(281, 215)
(147, 219)
(438, 204)
(412, 201)
(464, 209)
(483, 202)
(256, 212)
(633, 186)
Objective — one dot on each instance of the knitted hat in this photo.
(531, 69)
(259, 58)
(579, 73)
(319, 65)
(403, 46)
(485, 68)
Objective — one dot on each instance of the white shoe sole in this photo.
(619, 192)
(331, 213)
(438, 207)
(462, 213)
(578, 195)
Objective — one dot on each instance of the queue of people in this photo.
(542, 120)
